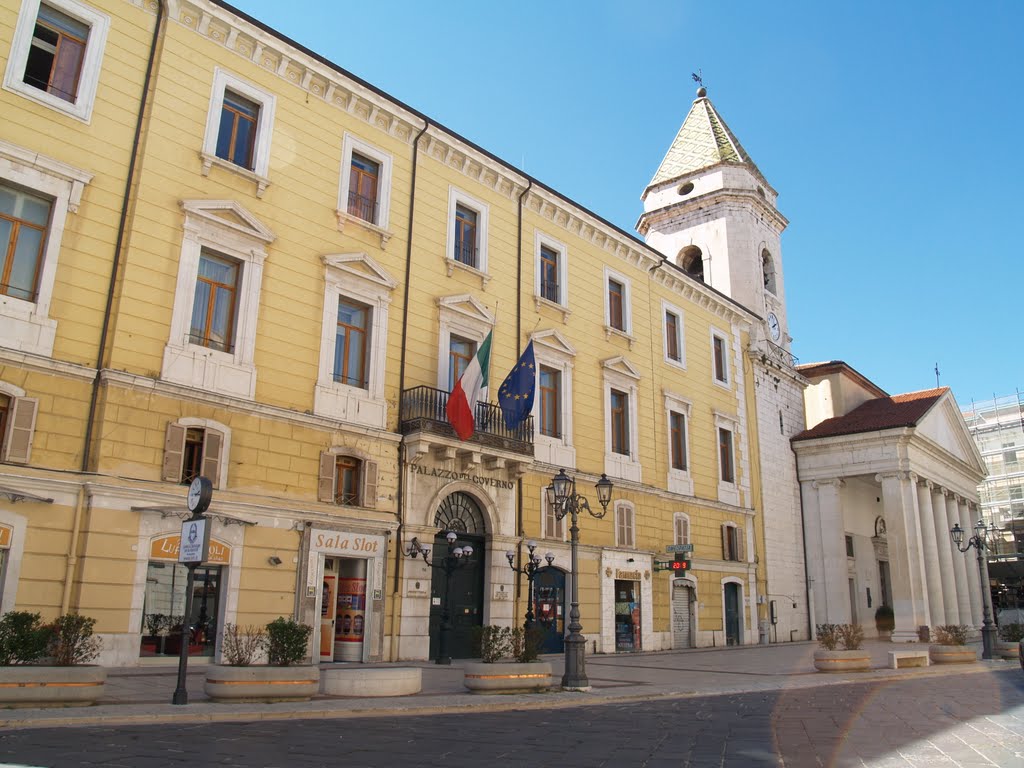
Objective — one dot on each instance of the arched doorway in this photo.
(732, 613)
(459, 512)
(549, 594)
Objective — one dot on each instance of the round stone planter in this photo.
(507, 677)
(1008, 651)
(842, 661)
(952, 654)
(37, 686)
(262, 683)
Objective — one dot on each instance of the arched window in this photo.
(768, 270)
(460, 512)
(691, 259)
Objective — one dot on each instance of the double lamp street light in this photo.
(980, 542)
(530, 571)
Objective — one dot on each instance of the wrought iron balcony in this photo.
(423, 410)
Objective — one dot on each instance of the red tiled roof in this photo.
(882, 413)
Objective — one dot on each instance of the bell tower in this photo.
(712, 213)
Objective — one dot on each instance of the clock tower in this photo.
(712, 213)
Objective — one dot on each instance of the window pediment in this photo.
(360, 267)
(467, 307)
(554, 342)
(622, 366)
(230, 216)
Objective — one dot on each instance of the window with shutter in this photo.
(212, 444)
(624, 525)
(174, 449)
(19, 429)
(190, 451)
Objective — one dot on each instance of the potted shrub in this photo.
(47, 665)
(950, 646)
(1010, 636)
(285, 677)
(508, 661)
(885, 621)
(850, 657)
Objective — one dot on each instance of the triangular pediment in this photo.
(230, 215)
(466, 306)
(621, 366)
(944, 425)
(553, 342)
(360, 266)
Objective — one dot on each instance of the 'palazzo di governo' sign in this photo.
(466, 477)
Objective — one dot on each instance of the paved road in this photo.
(954, 720)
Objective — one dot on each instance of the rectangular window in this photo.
(362, 189)
(346, 491)
(720, 360)
(460, 353)
(554, 528)
(550, 402)
(673, 348)
(682, 530)
(732, 543)
(56, 54)
(465, 236)
(615, 304)
(849, 546)
(236, 138)
(549, 287)
(24, 219)
(213, 312)
(725, 458)
(624, 526)
(620, 422)
(350, 347)
(677, 427)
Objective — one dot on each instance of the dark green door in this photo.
(549, 608)
(732, 614)
(465, 597)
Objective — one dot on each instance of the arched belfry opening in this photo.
(768, 271)
(461, 513)
(691, 260)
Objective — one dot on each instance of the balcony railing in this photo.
(783, 356)
(423, 410)
(363, 207)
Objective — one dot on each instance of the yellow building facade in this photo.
(228, 257)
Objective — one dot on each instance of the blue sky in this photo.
(890, 131)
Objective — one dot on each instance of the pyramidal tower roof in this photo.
(703, 141)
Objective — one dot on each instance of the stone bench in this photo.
(908, 659)
(371, 681)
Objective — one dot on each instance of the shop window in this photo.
(732, 543)
(56, 55)
(238, 129)
(624, 525)
(627, 616)
(346, 480)
(681, 528)
(163, 612)
(17, 424)
(191, 450)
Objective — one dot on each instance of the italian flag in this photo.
(469, 388)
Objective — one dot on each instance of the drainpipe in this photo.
(72, 560)
(400, 508)
(519, 330)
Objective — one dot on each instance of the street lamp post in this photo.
(562, 496)
(457, 557)
(530, 571)
(980, 543)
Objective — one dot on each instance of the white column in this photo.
(836, 607)
(929, 547)
(971, 560)
(906, 564)
(944, 543)
(962, 566)
(812, 551)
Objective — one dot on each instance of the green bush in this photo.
(23, 638)
(71, 640)
(286, 641)
(526, 643)
(952, 634)
(1012, 633)
(885, 619)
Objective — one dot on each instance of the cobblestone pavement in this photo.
(956, 719)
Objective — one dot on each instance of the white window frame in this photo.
(627, 313)
(627, 509)
(546, 510)
(457, 197)
(350, 144)
(462, 316)
(228, 373)
(667, 308)
(542, 240)
(357, 277)
(676, 519)
(223, 460)
(26, 325)
(728, 493)
(620, 375)
(552, 350)
(99, 25)
(260, 173)
(679, 480)
(726, 365)
(739, 538)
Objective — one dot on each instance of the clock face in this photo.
(773, 326)
(199, 493)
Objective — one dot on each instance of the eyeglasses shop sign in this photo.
(195, 541)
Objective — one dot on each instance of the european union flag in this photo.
(516, 393)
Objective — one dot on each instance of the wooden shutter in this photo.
(325, 485)
(174, 450)
(370, 484)
(741, 551)
(213, 442)
(18, 440)
(725, 542)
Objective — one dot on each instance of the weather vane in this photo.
(698, 77)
